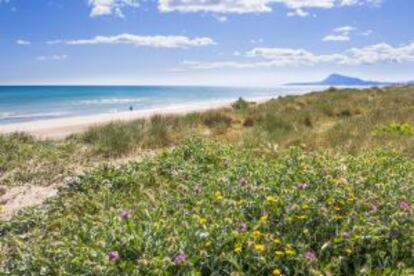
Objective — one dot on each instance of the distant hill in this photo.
(337, 80)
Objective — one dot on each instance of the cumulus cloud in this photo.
(254, 6)
(157, 41)
(23, 42)
(52, 58)
(381, 53)
(111, 7)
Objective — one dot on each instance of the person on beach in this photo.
(131, 108)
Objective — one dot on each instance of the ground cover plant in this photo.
(205, 208)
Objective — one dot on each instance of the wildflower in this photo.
(124, 214)
(113, 256)
(306, 231)
(243, 182)
(279, 253)
(237, 249)
(226, 163)
(276, 241)
(208, 244)
(302, 186)
(242, 227)
(197, 189)
(290, 252)
(272, 199)
(257, 234)
(260, 248)
(346, 235)
(276, 272)
(374, 209)
(310, 256)
(218, 196)
(348, 251)
(263, 219)
(180, 259)
(202, 221)
(405, 205)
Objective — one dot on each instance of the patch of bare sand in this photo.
(15, 199)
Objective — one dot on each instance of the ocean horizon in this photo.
(20, 104)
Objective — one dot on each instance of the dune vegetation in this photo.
(319, 184)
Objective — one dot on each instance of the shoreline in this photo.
(61, 128)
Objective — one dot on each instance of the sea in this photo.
(33, 103)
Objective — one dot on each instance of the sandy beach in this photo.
(63, 127)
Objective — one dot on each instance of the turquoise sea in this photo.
(31, 103)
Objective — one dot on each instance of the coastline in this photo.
(62, 127)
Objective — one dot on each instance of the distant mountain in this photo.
(338, 80)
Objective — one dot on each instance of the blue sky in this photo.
(208, 42)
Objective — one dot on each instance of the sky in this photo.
(204, 42)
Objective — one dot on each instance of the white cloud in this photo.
(280, 57)
(336, 38)
(340, 34)
(53, 58)
(157, 41)
(23, 42)
(109, 7)
(345, 29)
(298, 12)
(367, 33)
(254, 6)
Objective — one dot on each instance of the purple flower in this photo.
(302, 186)
(242, 227)
(197, 189)
(180, 258)
(310, 256)
(243, 182)
(374, 208)
(405, 205)
(346, 235)
(226, 163)
(124, 215)
(113, 256)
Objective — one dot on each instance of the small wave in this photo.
(5, 115)
(32, 115)
(110, 101)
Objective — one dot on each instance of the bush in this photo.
(216, 118)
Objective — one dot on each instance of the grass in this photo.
(319, 184)
(206, 208)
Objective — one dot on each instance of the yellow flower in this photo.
(276, 272)
(306, 231)
(305, 207)
(237, 249)
(218, 196)
(279, 253)
(208, 244)
(263, 219)
(302, 217)
(348, 251)
(272, 199)
(202, 221)
(257, 234)
(276, 241)
(290, 252)
(260, 248)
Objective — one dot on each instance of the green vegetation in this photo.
(301, 185)
(205, 208)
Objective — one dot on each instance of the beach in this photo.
(63, 127)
